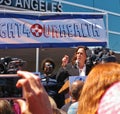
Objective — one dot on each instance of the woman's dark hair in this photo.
(74, 56)
(84, 47)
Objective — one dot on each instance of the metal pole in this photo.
(107, 29)
(37, 59)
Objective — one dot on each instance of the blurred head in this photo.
(108, 59)
(65, 58)
(100, 78)
(54, 107)
(75, 89)
(48, 66)
(5, 107)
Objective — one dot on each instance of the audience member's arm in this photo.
(37, 101)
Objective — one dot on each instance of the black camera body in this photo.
(8, 89)
(9, 65)
(8, 77)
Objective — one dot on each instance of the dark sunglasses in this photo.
(48, 65)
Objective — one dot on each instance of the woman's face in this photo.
(81, 55)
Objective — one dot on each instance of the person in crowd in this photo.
(74, 92)
(53, 104)
(54, 107)
(48, 67)
(102, 55)
(15, 106)
(77, 67)
(73, 108)
(49, 81)
(108, 59)
(65, 61)
(35, 99)
(47, 77)
(5, 107)
(100, 78)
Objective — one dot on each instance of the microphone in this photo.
(77, 63)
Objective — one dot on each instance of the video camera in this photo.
(9, 65)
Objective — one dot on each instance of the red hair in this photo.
(100, 78)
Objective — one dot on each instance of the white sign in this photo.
(74, 78)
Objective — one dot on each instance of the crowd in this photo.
(41, 94)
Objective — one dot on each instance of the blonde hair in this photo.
(52, 102)
(5, 107)
(54, 107)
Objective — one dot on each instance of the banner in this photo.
(52, 30)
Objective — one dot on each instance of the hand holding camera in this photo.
(36, 98)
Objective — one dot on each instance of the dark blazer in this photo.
(70, 70)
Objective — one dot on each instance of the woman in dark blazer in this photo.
(79, 66)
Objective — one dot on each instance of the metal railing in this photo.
(95, 9)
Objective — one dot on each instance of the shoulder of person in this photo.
(53, 80)
(69, 65)
(75, 104)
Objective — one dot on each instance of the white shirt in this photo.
(82, 72)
